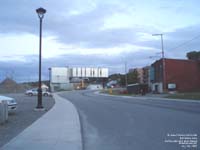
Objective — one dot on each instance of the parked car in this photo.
(31, 92)
(12, 103)
(34, 92)
(46, 93)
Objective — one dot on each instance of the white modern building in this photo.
(60, 76)
(85, 72)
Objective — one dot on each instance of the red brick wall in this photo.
(184, 73)
(158, 71)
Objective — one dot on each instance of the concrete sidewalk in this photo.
(58, 129)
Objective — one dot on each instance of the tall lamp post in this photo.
(50, 79)
(40, 12)
(163, 58)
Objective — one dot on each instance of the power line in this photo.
(186, 42)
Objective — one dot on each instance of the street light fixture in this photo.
(40, 12)
(163, 57)
(49, 79)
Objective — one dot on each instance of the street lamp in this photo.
(163, 57)
(49, 79)
(40, 12)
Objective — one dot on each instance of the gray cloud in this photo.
(85, 29)
(183, 40)
(28, 70)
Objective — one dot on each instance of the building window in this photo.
(90, 72)
(76, 71)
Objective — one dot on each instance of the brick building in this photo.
(179, 75)
(143, 74)
(140, 73)
(146, 79)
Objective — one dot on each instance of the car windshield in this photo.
(107, 74)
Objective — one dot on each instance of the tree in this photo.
(132, 77)
(118, 77)
(193, 55)
(115, 77)
(122, 80)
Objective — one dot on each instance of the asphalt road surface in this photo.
(117, 123)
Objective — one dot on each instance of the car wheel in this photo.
(45, 94)
(30, 94)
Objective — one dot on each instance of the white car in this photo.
(34, 92)
(31, 92)
(12, 103)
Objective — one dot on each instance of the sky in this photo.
(94, 33)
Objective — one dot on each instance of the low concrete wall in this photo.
(3, 112)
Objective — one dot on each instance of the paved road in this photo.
(116, 123)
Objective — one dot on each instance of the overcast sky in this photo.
(99, 33)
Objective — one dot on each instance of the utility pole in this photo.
(126, 80)
(163, 59)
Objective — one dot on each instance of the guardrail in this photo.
(3, 112)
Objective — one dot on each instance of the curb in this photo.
(150, 97)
